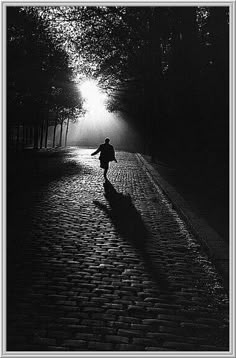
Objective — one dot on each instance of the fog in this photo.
(95, 126)
(97, 123)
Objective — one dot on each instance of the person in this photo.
(107, 154)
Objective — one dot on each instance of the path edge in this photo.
(211, 241)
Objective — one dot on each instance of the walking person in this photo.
(107, 155)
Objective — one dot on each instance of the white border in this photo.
(4, 353)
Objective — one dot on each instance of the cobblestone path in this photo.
(94, 268)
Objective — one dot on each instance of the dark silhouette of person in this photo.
(107, 154)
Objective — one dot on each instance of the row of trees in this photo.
(40, 87)
(167, 66)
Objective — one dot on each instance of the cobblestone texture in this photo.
(113, 270)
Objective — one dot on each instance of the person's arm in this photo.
(96, 151)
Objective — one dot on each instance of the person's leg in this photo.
(105, 173)
(106, 166)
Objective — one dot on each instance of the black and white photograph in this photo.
(118, 210)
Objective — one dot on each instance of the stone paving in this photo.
(104, 268)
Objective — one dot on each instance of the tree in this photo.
(115, 44)
(66, 102)
(153, 62)
(42, 68)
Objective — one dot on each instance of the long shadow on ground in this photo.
(129, 224)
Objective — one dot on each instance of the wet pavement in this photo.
(95, 267)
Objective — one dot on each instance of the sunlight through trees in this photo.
(167, 67)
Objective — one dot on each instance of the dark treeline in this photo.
(178, 85)
(166, 66)
(40, 90)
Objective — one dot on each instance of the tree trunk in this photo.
(36, 136)
(60, 142)
(26, 135)
(46, 133)
(12, 134)
(17, 135)
(54, 134)
(41, 134)
(9, 137)
(31, 136)
(67, 128)
(23, 136)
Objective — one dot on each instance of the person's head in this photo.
(107, 140)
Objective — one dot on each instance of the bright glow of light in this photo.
(93, 96)
(97, 123)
